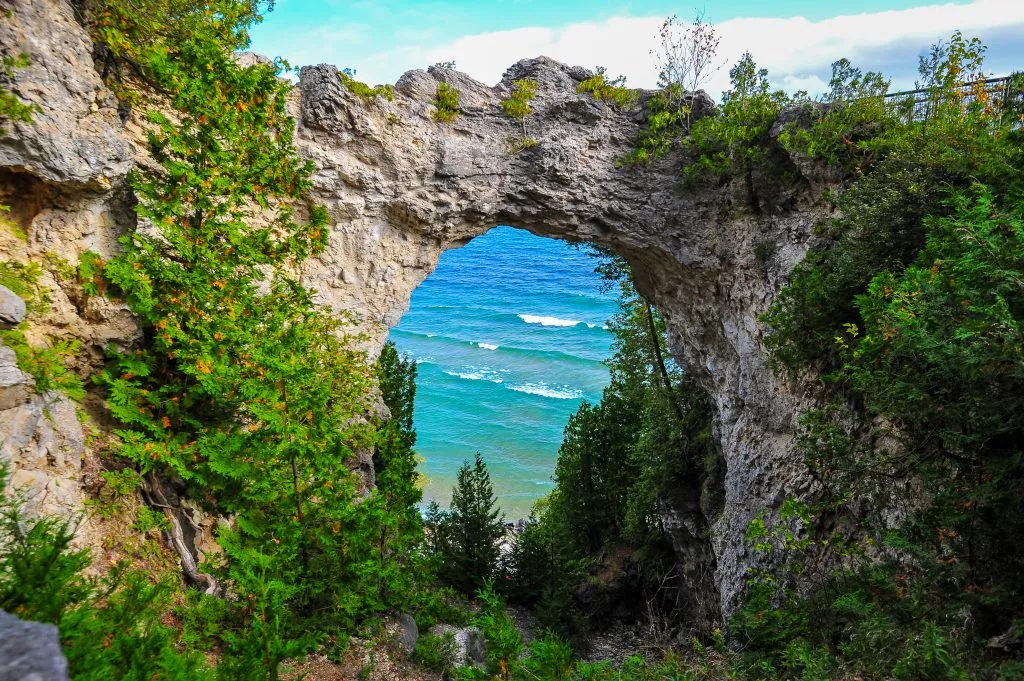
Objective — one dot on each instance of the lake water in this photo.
(509, 333)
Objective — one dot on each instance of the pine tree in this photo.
(468, 533)
(399, 524)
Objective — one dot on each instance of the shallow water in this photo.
(509, 334)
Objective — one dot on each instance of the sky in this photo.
(796, 40)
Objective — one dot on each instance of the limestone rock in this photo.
(41, 441)
(401, 188)
(408, 632)
(75, 136)
(470, 645)
(15, 386)
(12, 308)
(30, 651)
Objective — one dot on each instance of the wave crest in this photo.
(547, 321)
(475, 374)
(544, 390)
(487, 346)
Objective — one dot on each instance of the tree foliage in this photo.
(109, 626)
(446, 103)
(465, 537)
(736, 142)
(517, 106)
(914, 311)
(605, 89)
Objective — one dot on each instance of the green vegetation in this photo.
(913, 312)
(736, 143)
(364, 91)
(46, 363)
(604, 89)
(464, 538)
(446, 103)
(517, 107)
(11, 106)
(437, 653)
(648, 436)
(243, 390)
(109, 627)
(667, 120)
(687, 57)
(905, 562)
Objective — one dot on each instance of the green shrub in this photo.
(736, 141)
(110, 626)
(446, 103)
(549, 658)
(667, 120)
(364, 91)
(90, 273)
(437, 653)
(48, 365)
(11, 106)
(604, 90)
(517, 106)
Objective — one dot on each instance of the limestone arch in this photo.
(400, 188)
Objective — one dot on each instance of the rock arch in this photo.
(401, 188)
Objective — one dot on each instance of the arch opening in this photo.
(510, 335)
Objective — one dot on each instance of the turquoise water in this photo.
(509, 334)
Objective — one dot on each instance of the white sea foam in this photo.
(475, 374)
(543, 390)
(487, 346)
(547, 321)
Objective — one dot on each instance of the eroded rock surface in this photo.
(401, 188)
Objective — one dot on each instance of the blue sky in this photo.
(795, 39)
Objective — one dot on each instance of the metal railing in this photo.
(916, 105)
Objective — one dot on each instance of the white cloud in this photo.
(796, 51)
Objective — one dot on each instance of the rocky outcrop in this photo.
(30, 651)
(76, 137)
(41, 440)
(401, 188)
(12, 308)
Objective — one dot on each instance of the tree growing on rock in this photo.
(517, 106)
(687, 56)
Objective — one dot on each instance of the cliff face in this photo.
(401, 188)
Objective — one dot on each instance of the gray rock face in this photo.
(12, 308)
(470, 644)
(408, 632)
(30, 651)
(75, 137)
(400, 189)
(40, 435)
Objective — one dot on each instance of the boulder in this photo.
(30, 651)
(408, 632)
(12, 308)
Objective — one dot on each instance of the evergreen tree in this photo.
(466, 536)
(399, 524)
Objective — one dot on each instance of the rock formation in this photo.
(401, 188)
(30, 651)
